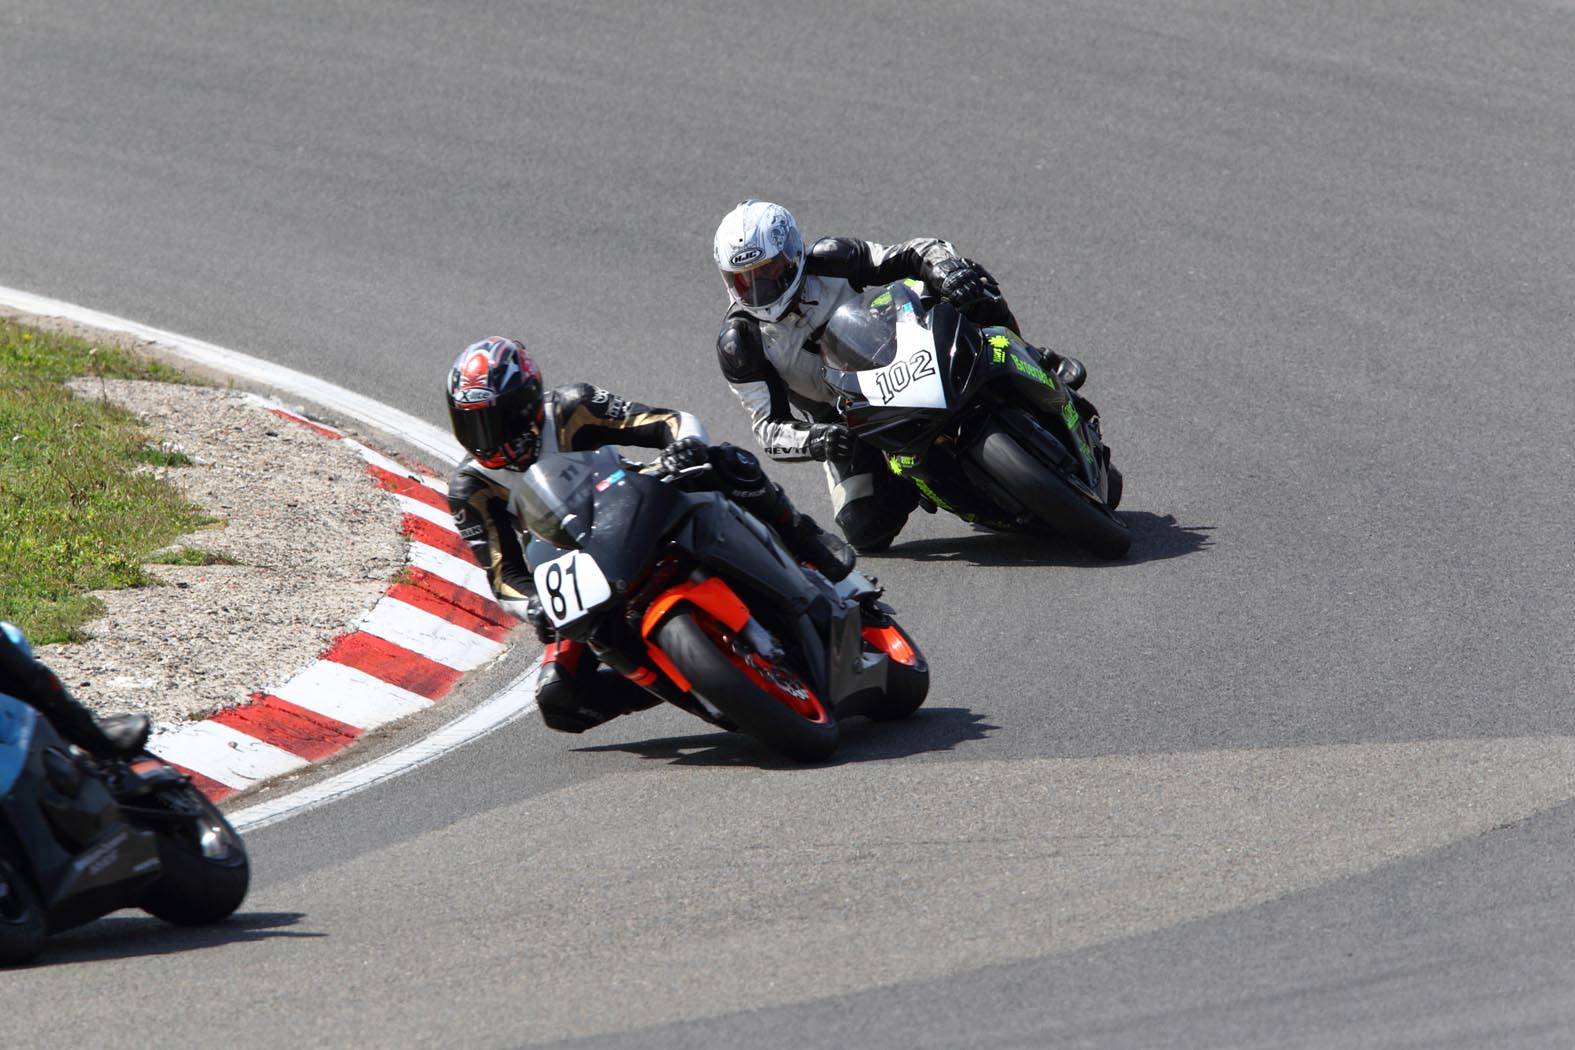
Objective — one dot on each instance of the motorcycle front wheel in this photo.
(22, 923)
(770, 702)
(205, 868)
(1048, 497)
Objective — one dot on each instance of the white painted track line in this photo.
(516, 699)
(434, 442)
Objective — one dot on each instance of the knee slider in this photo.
(559, 703)
(870, 526)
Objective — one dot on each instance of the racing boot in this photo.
(827, 553)
(126, 733)
(746, 484)
(801, 534)
(573, 694)
(115, 737)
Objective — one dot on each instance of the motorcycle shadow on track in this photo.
(132, 936)
(927, 730)
(1155, 537)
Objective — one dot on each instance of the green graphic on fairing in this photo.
(902, 466)
(1033, 372)
(1069, 413)
(1000, 340)
(884, 298)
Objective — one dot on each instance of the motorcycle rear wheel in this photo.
(200, 883)
(907, 674)
(1049, 498)
(749, 694)
(23, 927)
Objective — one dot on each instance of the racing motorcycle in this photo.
(697, 601)
(80, 838)
(971, 416)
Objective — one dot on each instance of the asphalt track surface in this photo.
(1297, 773)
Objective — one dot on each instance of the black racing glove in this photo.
(830, 443)
(964, 283)
(683, 454)
(536, 616)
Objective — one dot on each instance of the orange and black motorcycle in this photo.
(697, 601)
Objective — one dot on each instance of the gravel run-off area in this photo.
(314, 540)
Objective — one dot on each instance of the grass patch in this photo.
(163, 457)
(190, 556)
(79, 510)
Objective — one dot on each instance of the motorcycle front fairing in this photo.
(889, 356)
(918, 399)
(598, 503)
(595, 526)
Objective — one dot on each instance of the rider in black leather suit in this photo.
(503, 416)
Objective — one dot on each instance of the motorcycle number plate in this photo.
(912, 380)
(570, 587)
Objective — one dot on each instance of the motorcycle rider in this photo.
(505, 419)
(781, 299)
(23, 676)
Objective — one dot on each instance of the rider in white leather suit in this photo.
(782, 298)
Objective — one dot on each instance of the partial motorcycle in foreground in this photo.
(972, 417)
(698, 602)
(80, 838)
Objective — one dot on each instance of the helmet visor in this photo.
(486, 426)
(766, 283)
(482, 428)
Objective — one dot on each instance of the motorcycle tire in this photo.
(907, 677)
(757, 697)
(23, 926)
(198, 885)
(1050, 499)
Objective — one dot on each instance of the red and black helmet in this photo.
(495, 403)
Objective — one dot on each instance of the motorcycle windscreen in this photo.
(862, 334)
(557, 501)
(890, 341)
(596, 503)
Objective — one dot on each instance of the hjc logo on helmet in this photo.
(744, 256)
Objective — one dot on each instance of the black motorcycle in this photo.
(698, 602)
(971, 416)
(80, 838)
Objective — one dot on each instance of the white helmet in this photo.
(761, 255)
